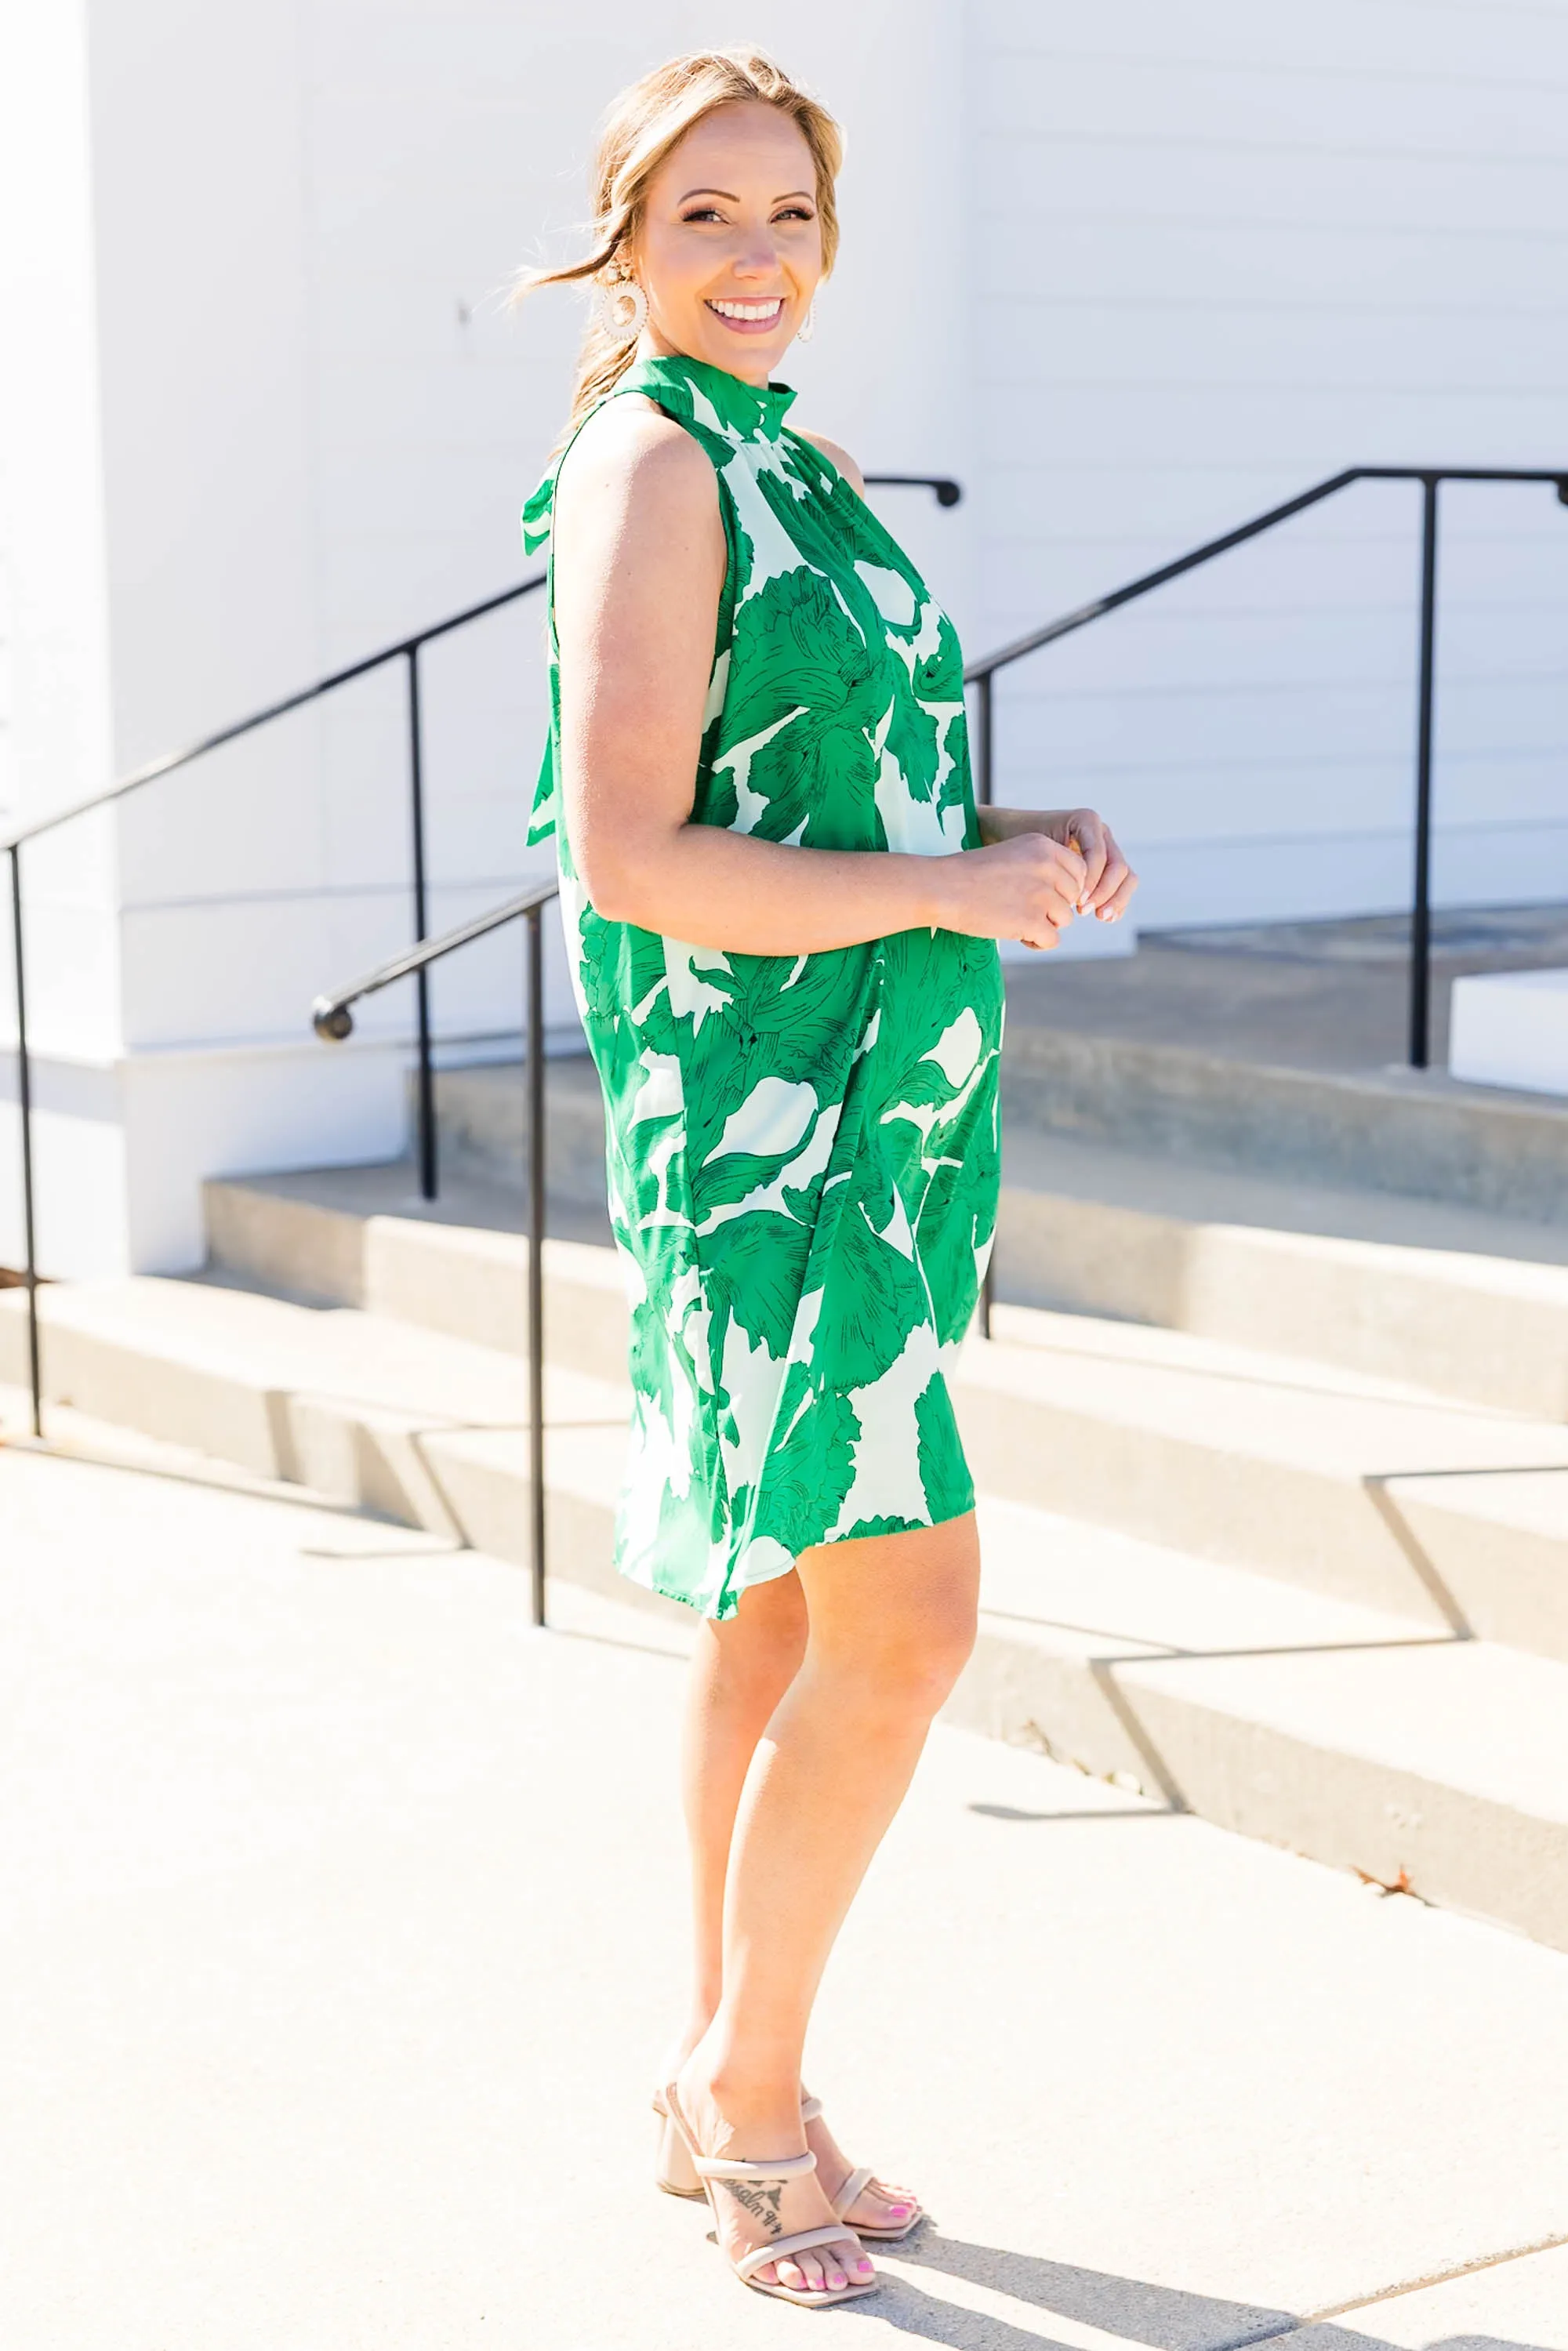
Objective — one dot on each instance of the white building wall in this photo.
(1223, 251)
(56, 743)
(1130, 275)
(318, 425)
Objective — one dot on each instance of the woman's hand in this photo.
(1109, 880)
(1027, 887)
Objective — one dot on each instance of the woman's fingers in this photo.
(1092, 837)
(1111, 909)
(1068, 871)
(1111, 880)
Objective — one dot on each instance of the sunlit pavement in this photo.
(342, 1933)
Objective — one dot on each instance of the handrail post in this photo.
(983, 684)
(1421, 903)
(984, 778)
(24, 1107)
(426, 1094)
(535, 1171)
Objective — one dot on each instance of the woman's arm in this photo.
(1109, 882)
(639, 567)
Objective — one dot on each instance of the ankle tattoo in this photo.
(762, 2203)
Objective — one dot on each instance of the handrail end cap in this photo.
(333, 1021)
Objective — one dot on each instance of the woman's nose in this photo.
(758, 257)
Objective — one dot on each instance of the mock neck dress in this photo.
(802, 1149)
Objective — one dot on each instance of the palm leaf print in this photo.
(802, 1149)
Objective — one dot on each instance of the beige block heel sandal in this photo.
(673, 2169)
(855, 2186)
(708, 2169)
(677, 2173)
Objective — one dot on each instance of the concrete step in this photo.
(1355, 1737)
(1341, 1481)
(1457, 1299)
(1360, 1738)
(1416, 1132)
(1424, 1763)
(1283, 1049)
(355, 1406)
(480, 1112)
(1471, 1305)
(1361, 1489)
(361, 1237)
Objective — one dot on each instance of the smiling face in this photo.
(730, 247)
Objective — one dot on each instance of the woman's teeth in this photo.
(750, 313)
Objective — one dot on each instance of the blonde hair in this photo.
(641, 128)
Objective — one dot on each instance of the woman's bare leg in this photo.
(740, 1671)
(892, 1620)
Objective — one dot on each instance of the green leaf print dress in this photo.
(802, 1149)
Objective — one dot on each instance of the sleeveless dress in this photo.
(803, 1151)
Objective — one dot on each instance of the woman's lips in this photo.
(740, 318)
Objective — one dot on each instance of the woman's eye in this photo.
(711, 212)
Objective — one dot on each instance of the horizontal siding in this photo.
(1218, 254)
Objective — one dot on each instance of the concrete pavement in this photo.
(342, 1934)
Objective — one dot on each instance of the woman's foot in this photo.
(724, 2119)
(879, 2205)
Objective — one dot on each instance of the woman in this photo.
(783, 906)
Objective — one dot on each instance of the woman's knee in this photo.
(904, 1669)
(924, 1667)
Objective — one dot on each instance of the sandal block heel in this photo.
(673, 2169)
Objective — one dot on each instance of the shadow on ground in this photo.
(1163, 2318)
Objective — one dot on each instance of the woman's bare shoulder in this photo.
(837, 457)
(631, 458)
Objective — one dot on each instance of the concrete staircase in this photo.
(1281, 1052)
(1274, 1474)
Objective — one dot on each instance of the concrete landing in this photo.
(1313, 994)
(342, 1935)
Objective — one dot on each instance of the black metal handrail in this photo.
(981, 672)
(334, 1021)
(407, 649)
